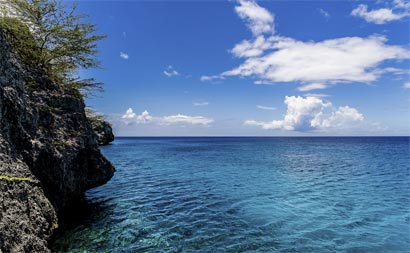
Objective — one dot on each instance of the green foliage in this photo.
(85, 86)
(21, 39)
(51, 36)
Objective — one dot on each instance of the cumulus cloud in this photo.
(263, 107)
(129, 114)
(308, 114)
(258, 19)
(406, 85)
(342, 118)
(282, 59)
(145, 118)
(170, 71)
(200, 103)
(124, 56)
(399, 10)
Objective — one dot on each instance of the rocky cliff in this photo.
(103, 130)
(48, 153)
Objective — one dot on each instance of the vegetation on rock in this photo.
(11, 179)
(50, 36)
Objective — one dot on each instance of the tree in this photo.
(63, 41)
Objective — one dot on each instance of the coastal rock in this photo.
(49, 153)
(104, 132)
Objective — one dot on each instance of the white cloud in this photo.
(318, 95)
(380, 16)
(406, 85)
(124, 56)
(129, 114)
(200, 103)
(211, 78)
(282, 59)
(251, 49)
(263, 107)
(262, 82)
(349, 59)
(265, 125)
(342, 118)
(308, 114)
(207, 78)
(395, 71)
(170, 71)
(399, 10)
(401, 4)
(180, 118)
(145, 118)
(312, 86)
(258, 19)
(324, 13)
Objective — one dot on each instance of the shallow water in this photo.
(249, 195)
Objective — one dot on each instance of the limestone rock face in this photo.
(104, 132)
(49, 153)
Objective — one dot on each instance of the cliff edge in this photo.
(49, 153)
(103, 130)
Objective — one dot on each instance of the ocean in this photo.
(234, 194)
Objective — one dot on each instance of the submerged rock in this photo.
(48, 153)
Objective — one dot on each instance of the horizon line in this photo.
(254, 136)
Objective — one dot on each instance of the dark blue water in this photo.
(249, 195)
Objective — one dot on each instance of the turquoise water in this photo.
(249, 195)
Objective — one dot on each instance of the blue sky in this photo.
(253, 68)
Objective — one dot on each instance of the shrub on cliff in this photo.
(51, 36)
(21, 38)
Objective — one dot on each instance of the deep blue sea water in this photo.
(249, 195)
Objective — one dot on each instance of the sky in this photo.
(253, 68)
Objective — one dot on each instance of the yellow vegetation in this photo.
(11, 179)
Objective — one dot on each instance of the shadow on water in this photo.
(78, 214)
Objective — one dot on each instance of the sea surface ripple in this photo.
(249, 195)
